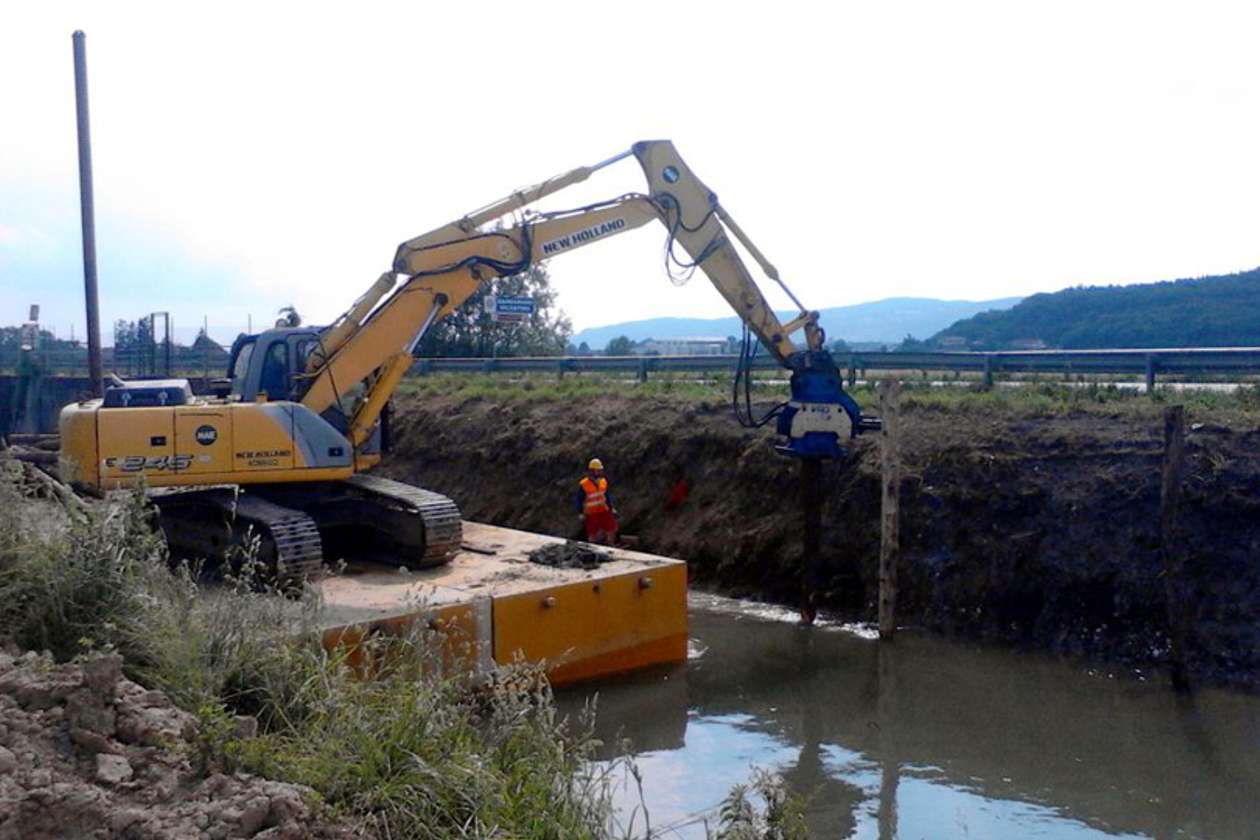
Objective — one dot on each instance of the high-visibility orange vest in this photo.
(596, 501)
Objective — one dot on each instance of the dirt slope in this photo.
(1035, 531)
(87, 753)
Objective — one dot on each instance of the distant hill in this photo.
(1219, 311)
(884, 321)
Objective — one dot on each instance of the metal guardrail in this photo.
(1145, 362)
(1142, 362)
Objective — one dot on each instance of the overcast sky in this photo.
(248, 156)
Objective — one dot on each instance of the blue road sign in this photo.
(514, 306)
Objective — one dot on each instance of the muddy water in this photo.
(927, 738)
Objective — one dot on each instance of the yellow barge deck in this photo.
(493, 605)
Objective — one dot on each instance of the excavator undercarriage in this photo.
(292, 530)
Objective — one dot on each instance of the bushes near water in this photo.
(408, 753)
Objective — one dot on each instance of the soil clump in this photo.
(85, 752)
(569, 554)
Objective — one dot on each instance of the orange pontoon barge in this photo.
(494, 605)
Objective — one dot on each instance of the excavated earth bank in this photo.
(1041, 532)
(85, 752)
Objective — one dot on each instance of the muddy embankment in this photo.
(1041, 532)
(85, 752)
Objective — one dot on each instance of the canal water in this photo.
(925, 738)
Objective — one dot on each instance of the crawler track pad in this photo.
(213, 523)
(443, 525)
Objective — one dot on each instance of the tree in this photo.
(11, 339)
(910, 344)
(1216, 311)
(620, 346)
(124, 334)
(289, 317)
(135, 350)
(469, 331)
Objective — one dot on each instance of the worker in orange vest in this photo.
(596, 505)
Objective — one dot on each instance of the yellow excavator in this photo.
(281, 451)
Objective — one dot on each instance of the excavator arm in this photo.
(301, 395)
(374, 341)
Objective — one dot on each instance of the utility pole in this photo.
(88, 214)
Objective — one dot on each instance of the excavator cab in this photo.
(271, 363)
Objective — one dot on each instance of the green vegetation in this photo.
(1031, 396)
(619, 346)
(550, 388)
(413, 754)
(469, 331)
(410, 752)
(11, 339)
(1204, 312)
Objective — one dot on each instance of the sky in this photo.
(252, 155)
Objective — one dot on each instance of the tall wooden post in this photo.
(890, 514)
(1170, 548)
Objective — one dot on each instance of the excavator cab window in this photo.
(239, 368)
(274, 380)
(303, 347)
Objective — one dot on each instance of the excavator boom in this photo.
(439, 270)
(300, 416)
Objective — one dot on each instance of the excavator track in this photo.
(216, 521)
(443, 524)
(298, 551)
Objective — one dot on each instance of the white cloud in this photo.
(29, 236)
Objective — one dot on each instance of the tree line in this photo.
(1215, 311)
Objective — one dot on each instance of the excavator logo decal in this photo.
(266, 458)
(581, 237)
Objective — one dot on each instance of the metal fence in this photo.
(136, 362)
(1148, 363)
